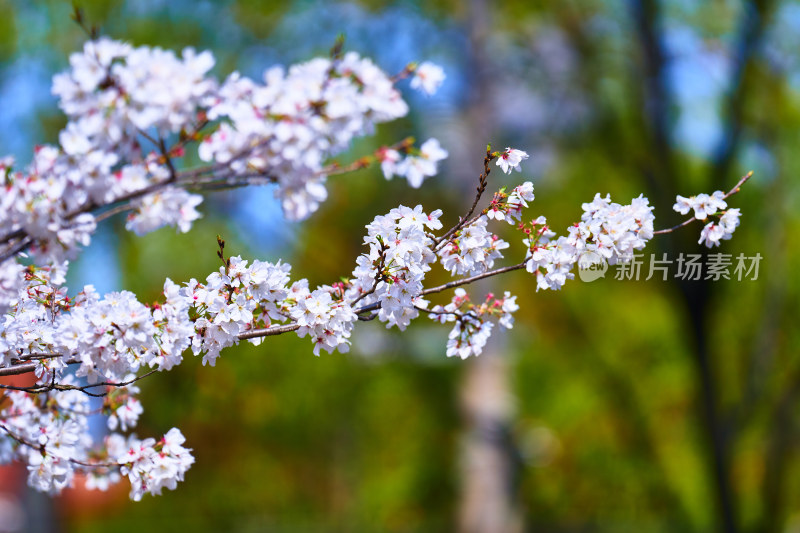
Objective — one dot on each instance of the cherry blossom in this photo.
(713, 233)
(608, 229)
(152, 466)
(472, 250)
(428, 77)
(133, 113)
(714, 206)
(702, 204)
(392, 272)
(509, 207)
(296, 119)
(416, 168)
(511, 159)
(472, 327)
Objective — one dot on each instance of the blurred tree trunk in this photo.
(488, 465)
(661, 173)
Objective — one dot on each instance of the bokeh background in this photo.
(612, 406)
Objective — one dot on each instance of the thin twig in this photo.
(162, 146)
(482, 182)
(472, 279)
(42, 448)
(15, 249)
(379, 275)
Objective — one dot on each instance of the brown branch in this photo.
(162, 146)
(14, 249)
(19, 439)
(379, 276)
(16, 370)
(482, 182)
(472, 279)
(268, 332)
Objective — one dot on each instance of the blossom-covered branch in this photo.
(134, 113)
(283, 131)
(713, 205)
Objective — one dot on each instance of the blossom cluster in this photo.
(608, 229)
(292, 122)
(12, 280)
(714, 206)
(237, 298)
(149, 464)
(49, 432)
(324, 315)
(509, 207)
(42, 203)
(113, 337)
(133, 112)
(169, 206)
(122, 406)
(114, 96)
(472, 250)
(390, 275)
(472, 327)
(109, 337)
(48, 440)
(113, 91)
(414, 167)
(240, 299)
(27, 326)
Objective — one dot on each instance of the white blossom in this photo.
(428, 77)
(416, 168)
(509, 208)
(472, 326)
(702, 204)
(152, 466)
(608, 229)
(511, 159)
(399, 256)
(714, 232)
(472, 250)
(171, 206)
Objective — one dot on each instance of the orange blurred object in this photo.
(74, 504)
(12, 477)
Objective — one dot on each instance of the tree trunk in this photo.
(487, 460)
